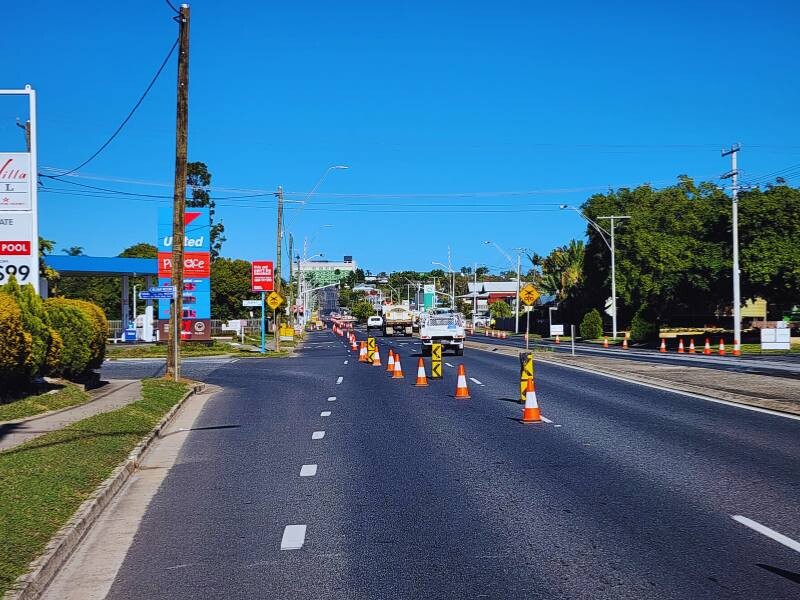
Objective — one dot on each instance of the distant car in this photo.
(374, 322)
(480, 321)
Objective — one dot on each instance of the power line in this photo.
(130, 114)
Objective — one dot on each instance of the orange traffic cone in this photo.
(362, 353)
(462, 391)
(681, 349)
(398, 369)
(737, 349)
(721, 347)
(376, 361)
(531, 412)
(605, 342)
(353, 344)
(707, 348)
(691, 346)
(422, 379)
(558, 339)
(390, 362)
(663, 347)
(625, 343)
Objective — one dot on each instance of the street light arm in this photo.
(503, 252)
(603, 233)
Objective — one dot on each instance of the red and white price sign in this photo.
(16, 251)
(263, 276)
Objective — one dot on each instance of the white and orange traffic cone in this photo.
(692, 349)
(376, 360)
(353, 344)
(558, 339)
(681, 349)
(625, 343)
(737, 348)
(422, 379)
(390, 362)
(605, 342)
(663, 347)
(707, 348)
(398, 369)
(362, 352)
(721, 347)
(531, 412)
(462, 391)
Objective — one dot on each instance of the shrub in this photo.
(643, 326)
(44, 346)
(15, 345)
(362, 309)
(97, 343)
(76, 331)
(500, 310)
(592, 325)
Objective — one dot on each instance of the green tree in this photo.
(500, 310)
(73, 251)
(199, 180)
(769, 230)
(362, 309)
(140, 250)
(230, 284)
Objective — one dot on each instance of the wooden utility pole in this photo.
(179, 198)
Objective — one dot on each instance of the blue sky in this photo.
(422, 100)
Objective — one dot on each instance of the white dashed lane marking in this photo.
(294, 536)
(308, 470)
(770, 533)
(339, 381)
(449, 365)
(331, 398)
(325, 413)
(475, 380)
(317, 435)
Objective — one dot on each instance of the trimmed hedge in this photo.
(97, 343)
(643, 326)
(16, 345)
(76, 330)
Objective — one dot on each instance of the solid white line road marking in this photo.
(308, 470)
(294, 536)
(546, 420)
(770, 533)
(331, 398)
(449, 365)
(475, 380)
(339, 381)
(325, 413)
(317, 435)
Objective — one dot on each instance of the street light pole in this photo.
(608, 238)
(511, 262)
(737, 297)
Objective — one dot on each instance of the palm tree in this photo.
(562, 270)
(73, 251)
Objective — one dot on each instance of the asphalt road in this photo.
(628, 492)
(774, 365)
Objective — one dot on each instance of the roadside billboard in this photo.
(19, 248)
(262, 276)
(196, 289)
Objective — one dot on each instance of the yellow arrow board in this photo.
(274, 300)
(529, 294)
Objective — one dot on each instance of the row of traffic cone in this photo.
(737, 351)
(530, 412)
(497, 334)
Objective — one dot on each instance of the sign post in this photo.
(262, 279)
(263, 322)
(19, 219)
(274, 300)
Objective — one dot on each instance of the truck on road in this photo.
(397, 320)
(442, 326)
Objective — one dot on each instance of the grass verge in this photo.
(68, 395)
(43, 482)
(187, 351)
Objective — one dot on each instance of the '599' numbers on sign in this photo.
(21, 272)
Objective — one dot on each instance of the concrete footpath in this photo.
(114, 395)
(762, 391)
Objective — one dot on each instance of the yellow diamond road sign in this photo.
(529, 294)
(274, 300)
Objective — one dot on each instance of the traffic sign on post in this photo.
(262, 276)
(529, 294)
(274, 300)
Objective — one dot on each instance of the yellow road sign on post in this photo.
(372, 346)
(274, 300)
(436, 361)
(529, 294)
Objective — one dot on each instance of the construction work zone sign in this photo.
(436, 361)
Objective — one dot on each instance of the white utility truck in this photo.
(442, 326)
(397, 319)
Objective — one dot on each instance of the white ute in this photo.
(442, 326)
